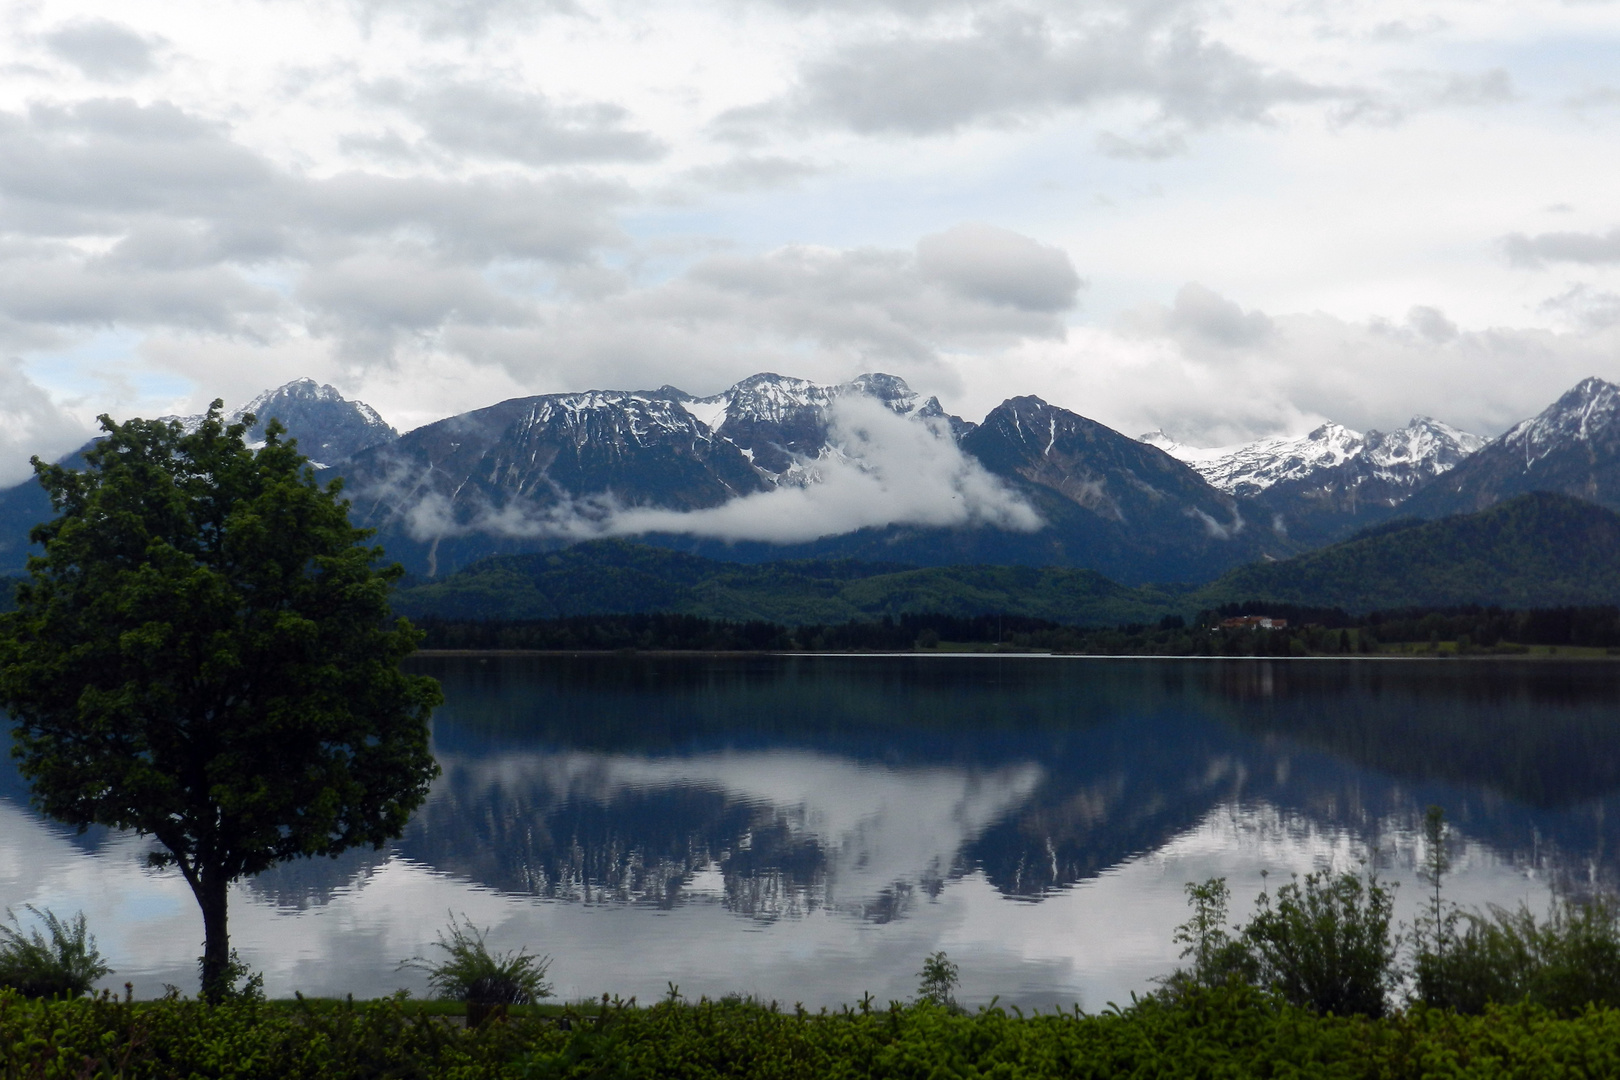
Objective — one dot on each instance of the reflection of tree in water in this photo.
(302, 884)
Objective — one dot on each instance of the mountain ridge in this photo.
(777, 467)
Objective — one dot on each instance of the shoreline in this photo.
(1531, 657)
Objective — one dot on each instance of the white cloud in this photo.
(1213, 374)
(440, 204)
(31, 423)
(104, 50)
(1007, 66)
(491, 121)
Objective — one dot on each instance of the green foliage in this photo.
(1218, 957)
(66, 965)
(237, 982)
(1232, 1032)
(471, 973)
(1536, 550)
(1563, 963)
(205, 654)
(612, 577)
(1323, 944)
(938, 980)
(1326, 944)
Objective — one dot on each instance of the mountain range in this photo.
(780, 468)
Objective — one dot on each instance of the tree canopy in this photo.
(205, 654)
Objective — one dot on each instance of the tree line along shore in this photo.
(1242, 629)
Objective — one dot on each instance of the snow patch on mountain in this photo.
(1422, 449)
(1582, 413)
(879, 467)
(328, 426)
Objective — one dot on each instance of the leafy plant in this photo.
(939, 979)
(1565, 962)
(1217, 956)
(1326, 944)
(237, 982)
(471, 973)
(65, 966)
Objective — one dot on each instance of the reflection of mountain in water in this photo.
(660, 791)
(776, 786)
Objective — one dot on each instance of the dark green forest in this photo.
(1535, 551)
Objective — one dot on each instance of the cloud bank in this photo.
(437, 205)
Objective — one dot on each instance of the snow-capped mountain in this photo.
(527, 468)
(535, 473)
(1404, 458)
(779, 422)
(329, 427)
(540, 470)
(1114, 504)
(1249, 468)
(1573, 446)
(1585, 414)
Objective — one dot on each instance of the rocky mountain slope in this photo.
(536, 472)
(328, 427)
(1333, 481)
(868, 469)
(1573, 447)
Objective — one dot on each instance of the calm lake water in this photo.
(810, 828)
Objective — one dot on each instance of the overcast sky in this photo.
(1228, 221)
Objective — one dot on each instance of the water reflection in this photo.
(808, 823)
(856, 782)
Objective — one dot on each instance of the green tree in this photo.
(205, 654)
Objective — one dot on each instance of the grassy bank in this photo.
(1219, 1033)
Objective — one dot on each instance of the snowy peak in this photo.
(771, 398)
(1583, 413)
(1424, 448)
(611, 415)
(329, 427)
(777, 420)
(1251, 468)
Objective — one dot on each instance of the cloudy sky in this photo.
(1228, 221)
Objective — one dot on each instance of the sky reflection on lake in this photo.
(808, 829)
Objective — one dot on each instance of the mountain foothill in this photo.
(821, 488)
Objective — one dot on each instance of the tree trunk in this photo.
(211, 890)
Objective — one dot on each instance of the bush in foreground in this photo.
(66, 965)
(470, 972)
(1233, 1031)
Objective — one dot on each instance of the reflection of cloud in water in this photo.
(785, 831)
(1094, 943)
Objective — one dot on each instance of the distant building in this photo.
(1254, 622)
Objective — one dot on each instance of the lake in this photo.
(810, 828)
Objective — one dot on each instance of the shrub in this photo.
(1326, 945)
(65, 966)
(1563, 963)
(1217, 957)
(471, 973)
